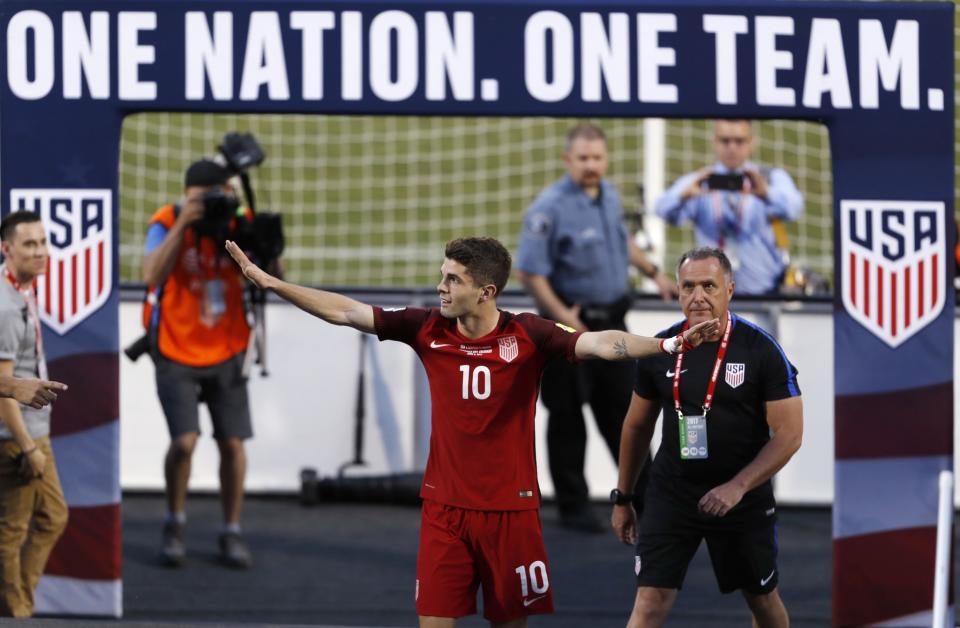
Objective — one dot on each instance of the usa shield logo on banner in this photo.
(734, 374)
(893, 265)
(509, 349)
(79, 277)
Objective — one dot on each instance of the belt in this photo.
(600, 316)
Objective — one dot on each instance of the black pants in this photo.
(607, 387)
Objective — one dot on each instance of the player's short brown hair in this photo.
(485, 259)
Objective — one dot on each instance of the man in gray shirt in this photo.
(33, 512)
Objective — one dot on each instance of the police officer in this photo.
(573, 259)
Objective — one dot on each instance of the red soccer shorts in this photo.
(502, 551)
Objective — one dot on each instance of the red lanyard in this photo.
(30, 296)
(712, 386)
(718, 209)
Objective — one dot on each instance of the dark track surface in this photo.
(354, 565)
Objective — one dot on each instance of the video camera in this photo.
(223, 218)
(218, 209)
(219, 206)
(262, 236)
(241, 151)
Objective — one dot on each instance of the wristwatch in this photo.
(620, 499)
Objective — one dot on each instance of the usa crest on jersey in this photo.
(509, 349)
(893, 265)
(734, 374)
(79, 226)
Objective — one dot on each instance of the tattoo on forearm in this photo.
(620, 348)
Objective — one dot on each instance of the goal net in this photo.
(370, 201)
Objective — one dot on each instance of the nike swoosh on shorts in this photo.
(764, 581)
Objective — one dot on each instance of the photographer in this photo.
(739, 207)
(198, 329)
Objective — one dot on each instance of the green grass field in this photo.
(372, 200)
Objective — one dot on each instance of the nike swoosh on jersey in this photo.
(671, 373)
(764, 581)
(532, 600)
(435, 345)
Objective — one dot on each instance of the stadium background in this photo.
(369, 201)
(375, 222)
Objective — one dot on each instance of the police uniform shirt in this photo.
(755, 371)
(18, 342)
(578, 243)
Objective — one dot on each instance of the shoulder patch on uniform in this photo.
(537, 224)
(565, 328)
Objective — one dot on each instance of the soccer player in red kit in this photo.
(480, 523)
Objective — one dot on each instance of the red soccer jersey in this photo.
(484, 397)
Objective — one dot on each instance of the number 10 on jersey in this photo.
(476, 385)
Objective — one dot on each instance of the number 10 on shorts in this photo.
(538, 580)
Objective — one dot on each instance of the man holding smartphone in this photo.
(738, 206)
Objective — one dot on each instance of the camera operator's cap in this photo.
(204, 173)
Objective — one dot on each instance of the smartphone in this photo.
(725, 182)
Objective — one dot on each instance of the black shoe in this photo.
(174, 551)
(234, 551)
(581, 521)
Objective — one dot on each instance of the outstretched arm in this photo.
(329, 306)
(620, 345)
(35, 393)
